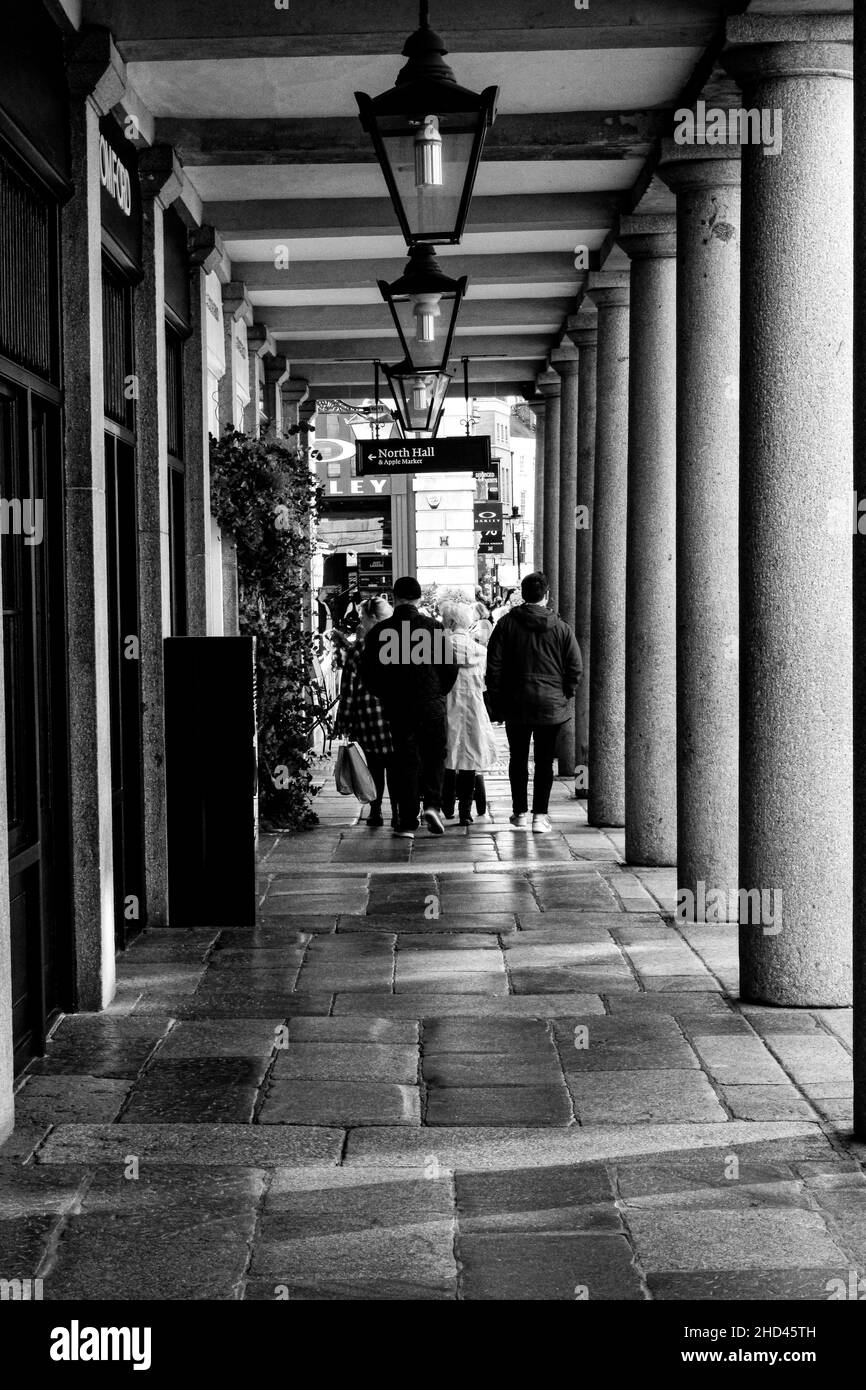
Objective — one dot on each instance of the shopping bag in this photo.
(352, 774)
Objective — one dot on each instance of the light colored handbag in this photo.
(352, 774)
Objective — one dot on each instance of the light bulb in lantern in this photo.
(426, 309)
(428, 154)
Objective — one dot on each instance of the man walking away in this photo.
(409, 663)
(533, 670)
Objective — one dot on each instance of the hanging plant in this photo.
(263, 492)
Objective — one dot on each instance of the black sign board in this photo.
(492, 547)
(120, 194)
(458, 455)
(487, 515)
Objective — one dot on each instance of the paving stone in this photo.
(445, 942)
(430, 964)
(345, 977)
(684, 1195)
(335, 905)
(766, 1102)
(228, 1037)
(106, 1259)
(248, 979)
(28, 1190)
(731, 1285)
(733, 1060)
(279, 959)
(344, 1103)
(817, 1057)
(460, 922)
(23, 1142)
(170, 977)
(540, 1068)
(24, 1242)
(499, 1105)
(542, 1267)
(349, 1061)
(207, 1090)
(691, 1004)
(52, 1100)
(643, 1097)
(735, 1239)
(434, 1004)
(772, 1020)
(246, 1146)
(226, 1004)
(409, 1263)
(338, 1202)
(588, 895)
(566, 978)
(522, 1038)
(430, 981)
(397, 1032)
(678, 984)
(612, 1052)
(172, 944)
(542, 1200)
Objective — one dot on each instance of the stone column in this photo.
(796, 463)
(609, 292)
(259, 344)
(860, 580)
(582, 329)
(236, 308)
(650, 686)
(205, 255)
(161, 180)
(96, 84)
(565, 363)
(276, 372)
(293, 392)
(549, 386)
(706, 180)
(539, 407)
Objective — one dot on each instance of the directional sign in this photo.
(458, 455)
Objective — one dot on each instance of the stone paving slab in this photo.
(473, 1149)
(736, 1239)
(52, 1100)
(414, 1262)
(491, 1069)
(246, 1146)
(352, 1029)
(644, 1097)
(503, 1106)
(322, 1103)
(777, 1102)
(433, 1005)
(540, 1267)
(229, 1037)
(347, 1061)
(764, 1285)
(542, 1200)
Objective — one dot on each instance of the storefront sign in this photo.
(338, 481)
(120, 194)
(487, 521)
(458, 455)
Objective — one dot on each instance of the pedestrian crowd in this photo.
(421, 690)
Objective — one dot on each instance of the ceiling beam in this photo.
(360, 376)
(167, 30)
(387, 349)
(275, 219)
(374, 318)
(500, 386)
(544, 267)
(340, 139)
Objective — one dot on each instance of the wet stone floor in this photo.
(480, 1066)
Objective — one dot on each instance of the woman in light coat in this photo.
(471, 745)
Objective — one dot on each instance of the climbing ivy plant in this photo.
(263, 492)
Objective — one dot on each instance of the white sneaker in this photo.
(520, 822)
(541, 825)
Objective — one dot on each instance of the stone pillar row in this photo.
(582, 330)
(565, 363)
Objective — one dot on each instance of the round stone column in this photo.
(549, 386)
(706, 181)
(583, 332)
(796, 469)
(538, 406)
(609, 291)
(860, 579)
(565, 363)
(650, 687)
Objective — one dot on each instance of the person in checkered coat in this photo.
(360, 716)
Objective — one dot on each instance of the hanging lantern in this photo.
(416, 301)
(428, 134)
(419, 397)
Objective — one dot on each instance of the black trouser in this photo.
(380, 771)
(451, 792)
(544, 737)
(417, 764)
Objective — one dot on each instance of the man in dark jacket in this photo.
(533, 671)
(409, 663)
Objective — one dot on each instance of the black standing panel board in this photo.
(210, 747)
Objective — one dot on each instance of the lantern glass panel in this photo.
(432, 209)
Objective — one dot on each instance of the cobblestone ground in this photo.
(484, 1066)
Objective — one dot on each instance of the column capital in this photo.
(582, 328)
(683, 167)
(295, 390)
(277, 368)
(609, 288)
(95, 69)
(773, 46)
(236, 304)
(538, 405)
(205, 248)
(565, 360)
(649, 237)
(259, 341)
(160, 173)
(548, 383)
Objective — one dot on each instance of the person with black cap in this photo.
(408, 662)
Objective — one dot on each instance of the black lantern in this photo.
(428, 134)
(419, 396)
(416, 303)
